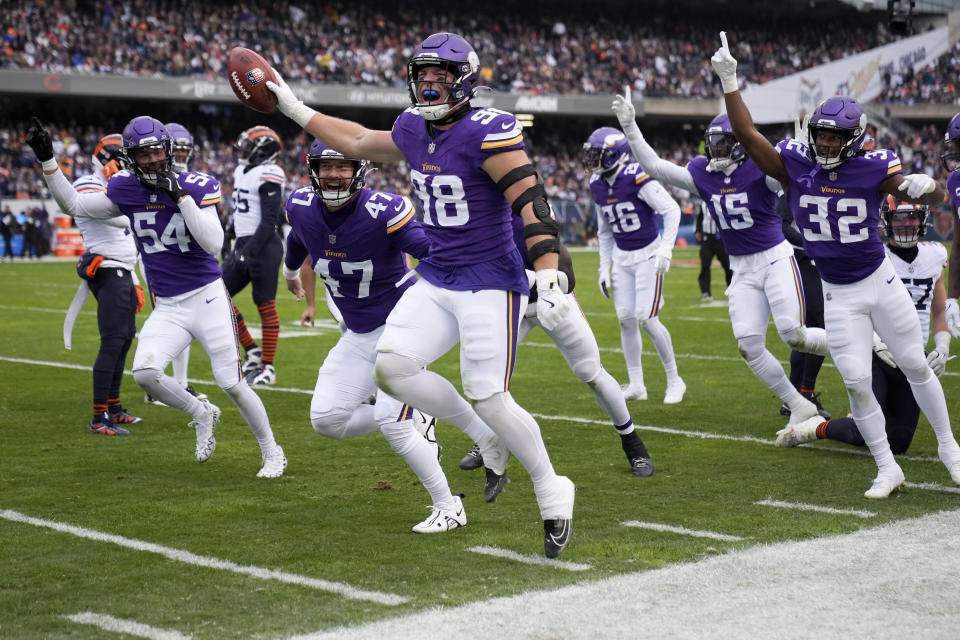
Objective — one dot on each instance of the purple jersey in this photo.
(838, 210)
(357, 250)
(175, 263)
(464, 214)
(741, 205)
(632, 221)
(953, 190)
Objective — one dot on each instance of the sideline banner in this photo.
(859, 76)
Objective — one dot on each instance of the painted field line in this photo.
(801, 506)
(654, 526)
(543, 416)
(187, 557)
(931, 486)
(529, 559)
(129, 627)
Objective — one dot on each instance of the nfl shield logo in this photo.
(332, 239)
(833, 176)
(255, 76)
(153, 197)
(431, 147)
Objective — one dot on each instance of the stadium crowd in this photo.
(660, 53)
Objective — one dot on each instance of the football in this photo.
(248, 73)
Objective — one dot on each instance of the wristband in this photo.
(50, 165)
(290, 274)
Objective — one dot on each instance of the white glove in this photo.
(938, 358)
(725, 65)
(289, 104)
(662, 257)
(918, 184)
(882, 351)
(623, 107)
(604, 282)
(800, 128)
(952, 312)
(552, 304)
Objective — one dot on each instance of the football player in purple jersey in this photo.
(835, 193)
(628, 201)
(355, 239)
(469, 169)
(950, 157)
(178, 234)
(766, 278)
(920, 266)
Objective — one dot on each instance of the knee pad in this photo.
(147, 378)
(794, 337)
(331, 424)
(390, 367)
(587, 370)
(627, 322)
(751, 347)
(497, 405)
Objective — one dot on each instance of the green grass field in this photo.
(134, 528)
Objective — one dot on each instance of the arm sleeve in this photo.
(605, 240)
(271, 204)
(95, 204)
(412, 240)
(204, 225)
(790, 230)
(663, 203)
(296, 252)
(658, 168)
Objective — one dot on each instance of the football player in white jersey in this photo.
(177, 230)
(257, 210)
(182, 146)
(628, 200)
(108, 269)
(920, 266)
(469, 169)
(835, 191)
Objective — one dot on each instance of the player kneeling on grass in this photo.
(178, 233)
(919, 265)
(355, 239)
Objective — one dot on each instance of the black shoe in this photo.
(196, 394)
(556, 536)
(785, 410)
(814, 397)
(641, 466)
(494, 485)
(473, 459)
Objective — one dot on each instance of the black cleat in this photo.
(556, 536)
(815, 399)
(494, 485)
(473, 459)
(641, 466)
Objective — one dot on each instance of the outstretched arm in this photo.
(347, 137)
(758, 148)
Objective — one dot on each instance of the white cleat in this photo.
(886, 482)
(799, 434)
(274, 464)
(804, 412)
(206, 443)
(950, 456)
(675, 391)
(426, 425)
(634, 391)
(443, 520)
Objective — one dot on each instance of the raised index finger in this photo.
(723, 40)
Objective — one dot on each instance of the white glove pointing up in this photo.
(725, 65)
(623, 107)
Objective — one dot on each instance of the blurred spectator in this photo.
(8, 227)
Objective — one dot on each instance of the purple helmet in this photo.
(144, 138)
(840, 115)
(454, 55)
(950, 156)
(605, 150)
(722, 147)
(340, 196)
(181, 145)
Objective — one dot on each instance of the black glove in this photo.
(167, 182)
(39, 140)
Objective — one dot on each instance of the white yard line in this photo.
(129, 627)
(178, 555)
(802, 506)
(931, 486)
(696, 533)
(894, 580)
(529, 559)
